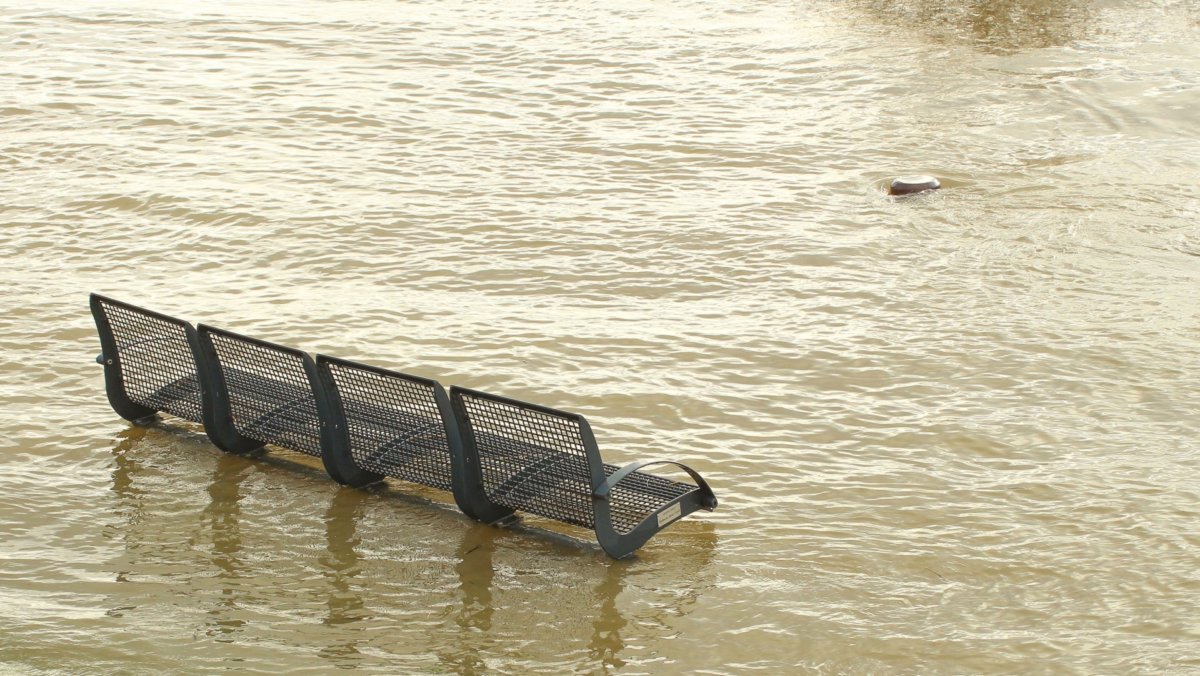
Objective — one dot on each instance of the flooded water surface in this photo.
(952, 433)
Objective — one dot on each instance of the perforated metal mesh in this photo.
(394, 423)
(269, 393)
(535, 460)
(157, 364)
(531, 460)
(639, 495)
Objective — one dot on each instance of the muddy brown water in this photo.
(954, 433)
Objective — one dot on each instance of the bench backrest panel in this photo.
(394, 421)
(158, 365)
(271, 398)
(531, 458)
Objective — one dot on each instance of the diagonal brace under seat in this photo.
(400, 440)
(537, 468)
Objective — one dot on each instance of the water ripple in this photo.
(949, 434)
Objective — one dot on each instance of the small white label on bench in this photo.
(669, 514)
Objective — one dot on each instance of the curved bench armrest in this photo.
(707, 499)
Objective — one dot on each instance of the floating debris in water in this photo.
(907, 185)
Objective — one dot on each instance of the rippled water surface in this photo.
(950, 434)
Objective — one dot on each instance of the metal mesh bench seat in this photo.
(274, 411)
(264, 390)
(149, 361)
(497, 456)
(394, 424)
(272, 394)
(546, 462)
(154, 363)
(398, 425)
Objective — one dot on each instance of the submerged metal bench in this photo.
(546, 462)
(271, 394)
(497, 456)
(401, 426)
(149, 362)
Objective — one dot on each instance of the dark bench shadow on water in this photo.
(601, 582)
(476, 634)
(223, 515)
(221, 518)
(342, 564)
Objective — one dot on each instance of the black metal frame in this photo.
(218, 429)
(466, 485)
(110, 357)
(334, 449)
(602, 478)
(619, 545)
(554, 452)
